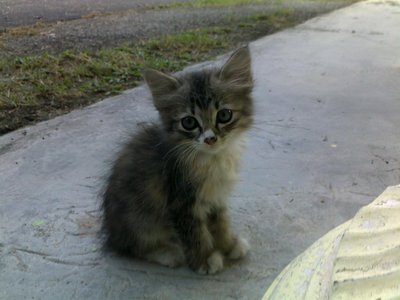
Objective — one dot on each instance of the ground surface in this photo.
(325, 143)
(25, 12)
(126, 21)
(82, 52)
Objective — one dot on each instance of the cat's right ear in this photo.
(160, 84)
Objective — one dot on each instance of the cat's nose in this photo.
(210, 140)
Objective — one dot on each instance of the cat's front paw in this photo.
(240, 249)
(214, 264)
(171, 256)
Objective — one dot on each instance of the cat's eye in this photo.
(224, 116)
(189, 123)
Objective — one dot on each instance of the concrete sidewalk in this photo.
(325, 143)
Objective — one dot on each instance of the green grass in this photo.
(28, 81)
(208, 3)
(38, 87)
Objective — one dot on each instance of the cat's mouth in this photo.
(211, 148)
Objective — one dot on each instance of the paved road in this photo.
(326, 142)
(25, 12)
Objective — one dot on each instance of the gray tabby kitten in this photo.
(166, 199)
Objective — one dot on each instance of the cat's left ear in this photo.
(160, 84)
(236, 72)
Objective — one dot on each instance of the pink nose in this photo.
(210, 140)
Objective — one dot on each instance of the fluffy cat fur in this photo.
(166, 198)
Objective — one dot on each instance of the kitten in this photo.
(166, 197)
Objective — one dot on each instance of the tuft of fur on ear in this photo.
(236, 72)
(161, 85)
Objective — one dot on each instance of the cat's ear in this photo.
(160, 83)
(236, 72)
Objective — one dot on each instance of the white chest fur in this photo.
(217, 174)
